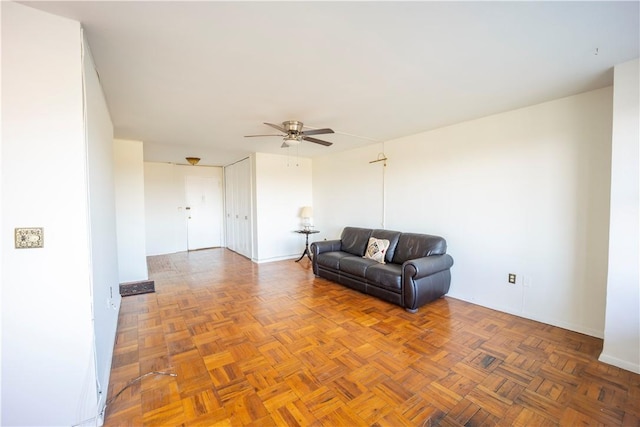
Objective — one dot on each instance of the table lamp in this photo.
(306, 214)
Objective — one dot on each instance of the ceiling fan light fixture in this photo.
(193, 160)
(291, 140)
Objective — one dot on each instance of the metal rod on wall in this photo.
(382, 158)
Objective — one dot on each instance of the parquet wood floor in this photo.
(270, 344)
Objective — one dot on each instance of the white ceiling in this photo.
(192, 78)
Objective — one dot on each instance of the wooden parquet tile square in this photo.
(271, 345)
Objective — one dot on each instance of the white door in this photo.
(243, 193)
(204, 212)
(229, 182)
(238, 207)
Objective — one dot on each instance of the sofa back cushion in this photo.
(354, 240)
(392, 237)
(413, 245)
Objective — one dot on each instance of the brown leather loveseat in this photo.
(413, 270)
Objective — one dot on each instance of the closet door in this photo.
(238, 207)
(243, 217)
(229, 217)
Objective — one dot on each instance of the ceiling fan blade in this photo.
(317, 141)
(251, 136)
(280, 128)
(317, 131)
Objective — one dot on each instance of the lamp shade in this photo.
(306, 212)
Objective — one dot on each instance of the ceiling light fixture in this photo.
(193, 160)
(291, 140)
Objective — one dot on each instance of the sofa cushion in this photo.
(354, 240)
(355, 265)
(331, 259)
(376, 249)
(388, 276)
(413, 245)
(392, 237)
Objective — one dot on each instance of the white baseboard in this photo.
(553, 322)
(624, 364)
(274, 259)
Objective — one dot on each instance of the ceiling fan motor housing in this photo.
(292, 126)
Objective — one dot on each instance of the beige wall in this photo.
(129, 191)
(283, 187)
(524, 192)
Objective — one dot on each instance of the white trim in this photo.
(624, 364)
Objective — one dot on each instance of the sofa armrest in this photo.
(324, 246)
(426, 266)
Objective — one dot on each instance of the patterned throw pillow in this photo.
(376, 249)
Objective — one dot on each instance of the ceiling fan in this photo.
(293, 133)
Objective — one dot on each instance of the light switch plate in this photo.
(27, 238)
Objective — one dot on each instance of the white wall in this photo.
(130, 212)
(165, 216)
(282, 188)
(102, 221)
(348, 190)
(163, 221)
(522, 192)
(48, 363)
(622, 325)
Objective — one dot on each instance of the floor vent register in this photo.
(137, 288)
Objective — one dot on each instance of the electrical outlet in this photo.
(512, 278)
